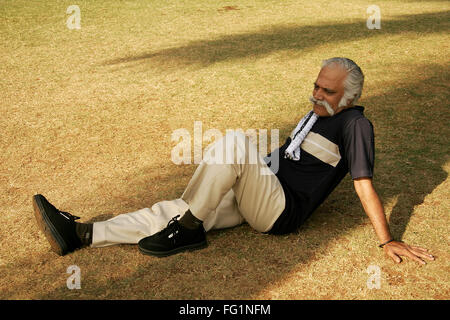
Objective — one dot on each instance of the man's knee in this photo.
(239, 149)
(233, 148)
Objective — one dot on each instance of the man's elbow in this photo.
(364, 188)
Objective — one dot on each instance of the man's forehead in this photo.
(331, 77)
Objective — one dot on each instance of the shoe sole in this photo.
(57, 243)
(191, 247)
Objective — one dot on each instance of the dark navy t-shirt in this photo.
(335, 146)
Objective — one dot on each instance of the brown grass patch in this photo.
(87, 117)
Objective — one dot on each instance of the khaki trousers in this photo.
(231, 185)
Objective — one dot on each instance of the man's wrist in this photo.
(386, 242)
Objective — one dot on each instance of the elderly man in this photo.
(334, 138)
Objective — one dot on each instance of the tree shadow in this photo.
(283, 37)
(412, 142)
(239, 262)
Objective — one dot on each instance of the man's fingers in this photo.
(394, 257)
(422, 254)
(419, 248)
(425, 253)
(418, 254)
(408, 251)
(412, 256)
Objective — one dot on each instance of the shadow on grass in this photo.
(290, 37)
(412, 142)
(240, 263)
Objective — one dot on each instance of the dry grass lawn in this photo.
(87, 117)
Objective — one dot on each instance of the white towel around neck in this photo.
(300, 132)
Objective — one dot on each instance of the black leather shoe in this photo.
(57, 226)
(173, 239)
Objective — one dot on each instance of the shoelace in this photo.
(172, 227)
(174, 219)
(68, 216)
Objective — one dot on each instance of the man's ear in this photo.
(350, 102)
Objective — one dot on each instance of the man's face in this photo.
(329, 88)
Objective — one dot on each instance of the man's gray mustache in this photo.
(322, 103)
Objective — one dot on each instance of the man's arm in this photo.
(374, 209)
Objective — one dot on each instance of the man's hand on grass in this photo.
(396, 249)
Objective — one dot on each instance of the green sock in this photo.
(84, 232)
(189, 221)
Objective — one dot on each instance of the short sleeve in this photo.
(360, 148)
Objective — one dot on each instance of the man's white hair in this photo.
(354, 81)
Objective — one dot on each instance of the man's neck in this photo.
(340, 109)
